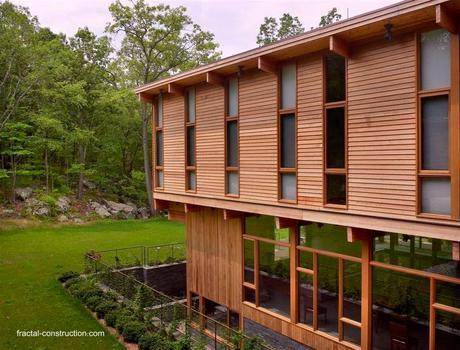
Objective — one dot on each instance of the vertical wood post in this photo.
(315, 291)
(293, 233)
(432, 329)
(366, 294)
(340, 301)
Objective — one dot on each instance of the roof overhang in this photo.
(338, 37)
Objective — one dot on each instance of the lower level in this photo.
(324, 286)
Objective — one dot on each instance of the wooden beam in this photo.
(144, 97)
(190, 208)
(215, 79)
(175, 89)
(266, 65)
(456, 251)
(285, 223)
(358, 234)
(233, 214)
(446, 20)
(339, 47)
(159, 204)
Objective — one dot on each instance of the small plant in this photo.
(132, 331)
(112, 317)
(68, 275)
(155, 341)
(94, 301)
(183, 343)
(105, 307)
(254, 343)
(123, 320)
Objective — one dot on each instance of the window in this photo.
(232, 180)
(434, 168)
(159, 151)
(267, 265)
(335, 139)
(287, 134)
(190, 143)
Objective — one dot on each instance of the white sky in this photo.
(234, 23)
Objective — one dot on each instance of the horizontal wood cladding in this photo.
(382, 128)
(310, 131)
(214, 257)
(210, 147)
(173, 139)
(298, 333)
(258, 108)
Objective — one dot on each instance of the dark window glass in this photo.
(305, 295)
(335, 138)
(264, 226)
(328, 237)
(195, 306)
(448, 293)
(249, 261)
(400, 310)
(216, 312)
(159, 148)
(352, 334)
(352, 290)
(288, 141)
(336, 189)
(305, 259)
(234, 318)
(335, 78)
(327, 294)
(420, 253)
(191, 146)
(274, 278)
(249, 295)
(232, 143)
(447, 328)
(435, 133)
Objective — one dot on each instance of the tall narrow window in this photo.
(287, 134)
(335, 123)
(190, 144)
(231, 136)
(159, 172)
(434, 175)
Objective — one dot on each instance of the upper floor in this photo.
(338, 120)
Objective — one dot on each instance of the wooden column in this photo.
(432, 326)
(454, 126)
(293, 230)
(366, 293)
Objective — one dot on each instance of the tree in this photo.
(331, 17)
(158, 41)
(270, 31)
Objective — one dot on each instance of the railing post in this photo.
(215, 335)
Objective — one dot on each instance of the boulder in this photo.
(8, 213)
(102, 212)
(62, 218)
(63, 204)
(143, 213)
(115, 207)
(41, 211)
(88, 184)
(23, 193)
(77, 220)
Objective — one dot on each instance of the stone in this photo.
(62, 218)
(63, 204)
(102, 212)
(41, 211)
(115, 207)
(88, 184)
(77, 220)
(23, 193)
(143, 213)
(8, 212)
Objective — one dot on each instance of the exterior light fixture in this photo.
(388, 34)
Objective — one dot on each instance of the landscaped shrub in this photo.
(183, 343)
(122, 320)
(94, 301)
(133, 330)
(154, 341)
(253, 343)
(112, 316)
(105, 307)
(66, 276)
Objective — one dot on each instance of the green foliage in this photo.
(123, 320)
(93, 301)
(331, 17)
(272, 30)
(254, 343)
(155, 341)
(104, 307)
(133, 330)
(68, 275)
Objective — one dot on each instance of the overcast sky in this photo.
(235, 23)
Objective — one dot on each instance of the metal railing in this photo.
(160, 309)
(142, 255)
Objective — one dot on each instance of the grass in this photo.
(32, 258)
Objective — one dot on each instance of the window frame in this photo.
(227, 119)
(189, 125)
(452, 93)
(333, 105)
(158, 129)
(281, 113)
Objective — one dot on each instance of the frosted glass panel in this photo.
(233, 97)
(288, 86)
(288, 186)
(233, 183)
(435, 59)
(436, 195)
(435, 133)
(191, 181)
(159, 144)
(160, 178)
(160, 112)
(232, 143)
(191, 105)
(288, 141)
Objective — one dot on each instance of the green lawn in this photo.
(30, 261)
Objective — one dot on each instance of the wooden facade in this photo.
(382, 160)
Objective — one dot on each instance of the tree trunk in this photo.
(47, 171)
(82, 160)
(13, 184)
(146, 149)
